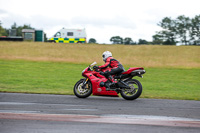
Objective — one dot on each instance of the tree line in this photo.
(182, 30)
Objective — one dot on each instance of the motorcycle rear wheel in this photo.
(80, 92)
(134, 92)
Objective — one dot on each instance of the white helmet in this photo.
(106, 54)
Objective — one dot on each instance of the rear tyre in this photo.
(134, 91)
(82, 92)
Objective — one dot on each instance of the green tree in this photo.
(168, 24)
(183, 26)
(92, 40)
(116, 40)
(157, 39)
(168, 35)
(195, 30)
(134, 43)
(3, 31)
(128, 40)
(142, 41)
(182, 29)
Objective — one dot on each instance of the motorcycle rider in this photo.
(115, 65)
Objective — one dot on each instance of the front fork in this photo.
(84, 83)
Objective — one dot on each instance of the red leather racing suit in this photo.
(114, 64)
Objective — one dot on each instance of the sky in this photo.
(102, 19)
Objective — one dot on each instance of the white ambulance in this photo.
(69, 36)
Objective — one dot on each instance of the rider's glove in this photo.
(95, 67)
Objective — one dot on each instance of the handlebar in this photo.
(94, 63)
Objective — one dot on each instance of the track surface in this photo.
(60, 113)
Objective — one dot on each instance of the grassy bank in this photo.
(60, 77)
(143, 55)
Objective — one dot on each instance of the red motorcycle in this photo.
(93, 82)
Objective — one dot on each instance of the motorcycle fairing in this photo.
(97, 89)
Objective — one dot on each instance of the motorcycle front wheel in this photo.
(81, 92)
(133, 92)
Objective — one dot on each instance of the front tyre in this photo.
(83, 92)
(134, 91)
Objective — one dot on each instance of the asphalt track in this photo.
(39, 113)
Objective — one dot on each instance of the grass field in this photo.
(55, 68)
(140, 55)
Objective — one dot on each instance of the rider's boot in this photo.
(109, 82)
